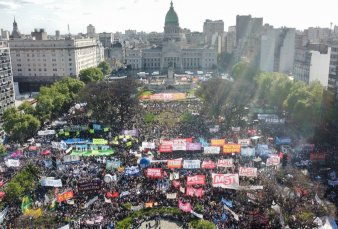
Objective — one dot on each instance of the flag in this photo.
(26, 204)
(227, 202)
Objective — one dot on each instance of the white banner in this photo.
(71, 158)
(247, 172)
(182, 189)
(50, 182)
(235, 129)
(174, 176)
(211, 149)
(233, 213)
(179, 145)
(191, 164)
(226, 163)
(171, 195)
(273, 160)
(148, 145)
(3, 215)
(136, 208)
(46, 132)
(12, 163)
(197, 215)
(244, 142)
(90, 202)
(230, 181)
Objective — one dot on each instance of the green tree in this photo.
(111, 103)
(27, 108)
(105, 68)
(13, 192)
(3, 150)
(224, 61)
(91, 75)
(19, 126)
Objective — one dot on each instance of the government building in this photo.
(174, 52)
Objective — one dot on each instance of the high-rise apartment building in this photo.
(6, 81)
(277, 50)
(312, 63)
(212, 28)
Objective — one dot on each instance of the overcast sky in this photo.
(148, 15)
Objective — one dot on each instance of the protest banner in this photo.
(174, 164)
(154, 173)
(68, 159)
(176, 184)
(247, 172)
(166, 147)
(198, 192)
(148, 145)
(166, 96)
(231, 148)
(12, 163)
(91, 185)
(211, 149)
(191, 164)
(171, 195)
(194, 146)
(50, 182)
(99, 141)
(174, 176)
(131, 171)
(226, 163)
(46, 132)
(235, 129)
(196, 180)
(91, 201)
(3, 215)
(110, 165)
(230, 181)
(244, 142)
(273, 160)
(208, 164)
(317, 156)
(247, 151)
(136, 208)
(133, 133)
(186, 207)
(179, 144)
(197, 215)
(65, 196)
(217, 142)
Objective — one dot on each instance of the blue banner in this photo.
(130, 171)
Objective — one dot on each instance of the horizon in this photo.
(56, 15)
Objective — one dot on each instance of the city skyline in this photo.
(148, 15)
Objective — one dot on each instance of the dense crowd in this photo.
(251, 207)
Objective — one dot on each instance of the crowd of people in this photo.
(104, 204)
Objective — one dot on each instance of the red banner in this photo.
(226, 163)
(196, 180)
(186, 207)
(176, 184)
(174, 164)
(208, 165)
(154, 173)
(317, 156)
(166, 147)
(198, 192)
(232, 148)
(65, 196)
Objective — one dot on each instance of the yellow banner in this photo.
(231, 148)
(35, 213)
(99, 141)
(217, 142)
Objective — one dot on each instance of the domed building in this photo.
(173, 53)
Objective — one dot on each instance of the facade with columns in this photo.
(174, 51)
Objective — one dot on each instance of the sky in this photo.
(149, 15)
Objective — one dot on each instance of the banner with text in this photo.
(198, 192)
(211, 149)
(196, 180)
(174, 164)
(247, 172)
(226, 163)
(154, 173)
(230, 181)
(217, 142)
(191, 164)
(208, 164)
(231, 148)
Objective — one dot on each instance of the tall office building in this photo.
(90, 30)
(6, 81)
(38, 62)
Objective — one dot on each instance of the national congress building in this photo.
(174, 51)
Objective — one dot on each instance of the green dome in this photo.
(171, 17)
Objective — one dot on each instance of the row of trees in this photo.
(310, 107)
